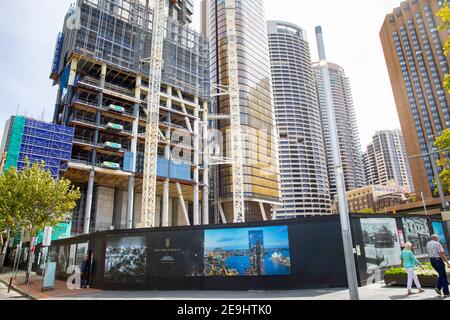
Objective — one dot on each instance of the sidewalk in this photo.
(377, 291)
(12, 295)
(372, 292)
(33, 290)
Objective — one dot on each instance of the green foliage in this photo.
(444, 14)
(427, 271)
(396, 272)
(32, 199)
(369, 211)
(366, 211)
(443, 142)
(447, 82)
(10, 206)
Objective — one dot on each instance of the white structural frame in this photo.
(152, 126)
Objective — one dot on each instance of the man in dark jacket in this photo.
(85, 270)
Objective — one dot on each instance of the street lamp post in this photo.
(339, 174)
(431, 154)
(436, 175)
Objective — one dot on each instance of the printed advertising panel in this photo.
(418, 233)
(438, 229)
(176, 254)
(381, 242)
(126, 259)
(262, 251)
(63, 255)
(82, 251)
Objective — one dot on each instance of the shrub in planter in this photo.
(399, 276)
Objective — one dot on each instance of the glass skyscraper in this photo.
(256, 252)
(261, 172)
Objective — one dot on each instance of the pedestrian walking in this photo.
(437, 258)
(409, 262)
(85, 270)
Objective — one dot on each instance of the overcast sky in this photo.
(28, 30)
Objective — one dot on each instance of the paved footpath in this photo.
(12, 295)
(377, 291)
(372, 292)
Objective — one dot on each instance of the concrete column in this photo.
(71, 82)
(263, 211)
(103, 75)
(130, 202)
(205, 207)
(167, 156)
(98, 116)
(57, 105)
(196, 202)
(183, 204)
(73, 71)
(134, 141)
(88, 209)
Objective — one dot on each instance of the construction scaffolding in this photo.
(119, 32)
(37, 141)
(104, 84)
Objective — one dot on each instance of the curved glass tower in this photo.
(303, 166)
(261, 172)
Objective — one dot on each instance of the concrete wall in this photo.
(107, 212)
(138, 221)
(105, 207)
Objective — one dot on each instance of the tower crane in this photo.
(152, 125)
(235, 113)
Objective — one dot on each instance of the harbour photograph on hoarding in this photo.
(381, 242)
(260, 251)
(418, 233)
(126, 259)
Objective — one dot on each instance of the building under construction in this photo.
(101, 70)
(28, 140)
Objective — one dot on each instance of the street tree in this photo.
(442, 143)
(444, 14)
(37, 199)
(10, 207)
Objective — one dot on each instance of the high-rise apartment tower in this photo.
(386, 161)
(303, 164)
(413, 48)
(349, 142)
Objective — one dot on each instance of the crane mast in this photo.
(235, 114)
(152, 126)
